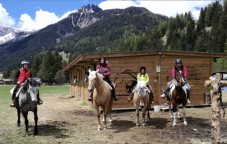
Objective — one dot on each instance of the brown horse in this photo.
(101, 95)
(178, 95)
(142, 94)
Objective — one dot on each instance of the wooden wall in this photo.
(199, 69)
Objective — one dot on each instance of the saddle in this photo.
(172, 87)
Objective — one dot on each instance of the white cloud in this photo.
(168, 8)
(5, 19)
(42, 19)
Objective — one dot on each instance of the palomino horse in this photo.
(178, 95)
(101, 95)
(27, 101)
(141, 94)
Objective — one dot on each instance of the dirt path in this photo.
(70, 120)
(64, 120)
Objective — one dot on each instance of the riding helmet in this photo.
(143, 67)
(178, 61)
(24, 62)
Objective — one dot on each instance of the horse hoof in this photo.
(137, 125)
(35, 133)
(185, 123)
(144, 125)
(174, 125)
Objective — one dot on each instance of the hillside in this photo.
(88, 30)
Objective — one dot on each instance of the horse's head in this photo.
(92, 79)
(179, 78)
(33, 89)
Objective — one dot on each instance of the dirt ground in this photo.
(70, 120)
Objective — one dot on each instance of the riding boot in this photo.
(130, 97)
(90, 98)
(39, 100)
(113, 95)
(13, 98)
(165, 93)
(188, 96)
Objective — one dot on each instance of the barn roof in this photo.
(87, 58)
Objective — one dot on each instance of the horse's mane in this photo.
(25, 86)
(27, 82)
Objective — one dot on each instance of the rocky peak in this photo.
(85, 16)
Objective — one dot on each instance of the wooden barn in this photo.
(125, 66)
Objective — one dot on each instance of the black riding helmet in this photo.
(143, 68)
(178, 61)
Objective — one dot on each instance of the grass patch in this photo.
(9, 132)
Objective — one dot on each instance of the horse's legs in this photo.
(149, 106)
(18, 117)
(36, 122)
(98, 117)
(109, 112)
(144, 113)
(25, 115)
(105, 112)
(137, 115)
(184, 115)
(178, 112)
(174, 114)
(170, 109)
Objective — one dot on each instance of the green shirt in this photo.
(141, 77)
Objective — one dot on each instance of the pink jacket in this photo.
(104, 70)
(185, 72)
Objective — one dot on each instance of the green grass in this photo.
(9, 133)
(45, 91)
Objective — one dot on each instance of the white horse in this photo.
(141, 95)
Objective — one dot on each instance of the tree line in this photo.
(47, 66)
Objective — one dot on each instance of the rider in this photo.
(22, 74)
(142, 76)
(178, 66)
(104, 69)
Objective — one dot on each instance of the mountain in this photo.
(8, 34)
(88, 30)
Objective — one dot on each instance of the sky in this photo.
(29, 15)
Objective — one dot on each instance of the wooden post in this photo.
(214, 84)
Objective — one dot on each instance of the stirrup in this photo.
(90, 99)
(115, 99)
(163, 96)
(188, 101)
(12, 105)
(129, 98)
(40, 102)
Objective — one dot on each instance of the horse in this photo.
(27, 101)
(178, 95)
(101, 96)
(142, 94)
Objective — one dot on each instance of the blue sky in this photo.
(35, 14)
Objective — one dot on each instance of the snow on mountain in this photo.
(7, 37)
(9, 34)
